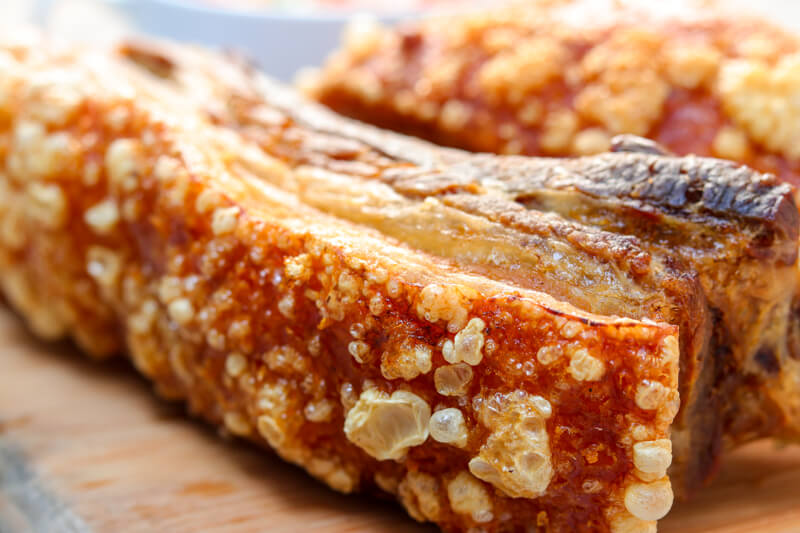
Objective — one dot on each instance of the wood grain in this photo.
(86, 447)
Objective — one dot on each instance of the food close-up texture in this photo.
(567, 332)
(132, 221)
(562, 77)
(290, 274)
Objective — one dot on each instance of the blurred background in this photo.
(281, 35)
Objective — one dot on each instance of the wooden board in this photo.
(86, 447)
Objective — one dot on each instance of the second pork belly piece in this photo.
(702, 243)
(128, 220)
(562, 77)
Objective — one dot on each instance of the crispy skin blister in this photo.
(166, 207)
(701, 243)
(562, 77)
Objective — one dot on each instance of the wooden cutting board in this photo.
(85, 446)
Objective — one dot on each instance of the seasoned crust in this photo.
(563, 77)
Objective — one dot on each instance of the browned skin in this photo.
(561, 77)
(715, 254)
(136, 224)
(168, 207)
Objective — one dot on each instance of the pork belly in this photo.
(635, 233)
(292, 276)
(562, 77)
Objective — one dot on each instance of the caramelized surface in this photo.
(704, 244)
(132, 223)
(562, 77)
(180, 207)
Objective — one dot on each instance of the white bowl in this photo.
(280, 41)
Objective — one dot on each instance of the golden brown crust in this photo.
(263, 258)
(128, 221)
(561, 77)
(714, 249)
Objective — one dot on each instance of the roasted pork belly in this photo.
(495, 341)
(636, 233)
(562, 77)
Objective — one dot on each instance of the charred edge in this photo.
(767, 360)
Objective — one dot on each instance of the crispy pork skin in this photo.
(685, 240)
(566, 78)
(391, 315)
(563, 77)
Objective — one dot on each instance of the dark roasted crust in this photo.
(696, 189)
